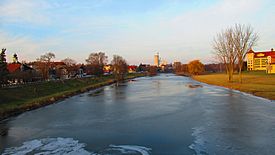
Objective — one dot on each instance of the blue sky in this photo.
(180, 30)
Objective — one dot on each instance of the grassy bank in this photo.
(256, 83)
(17, 100)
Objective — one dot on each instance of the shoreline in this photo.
(236, 87)
(237, 91)
(54, 98)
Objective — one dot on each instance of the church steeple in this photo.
(15, 58)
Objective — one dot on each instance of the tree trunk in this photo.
(240, 73)
(230, 73)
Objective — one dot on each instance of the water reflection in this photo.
(3, 129)
(119, 91)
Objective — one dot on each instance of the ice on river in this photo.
(199, 144)
(126, 148)
(69, 146)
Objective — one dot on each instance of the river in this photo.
(148, 115)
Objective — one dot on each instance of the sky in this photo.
(180, 30)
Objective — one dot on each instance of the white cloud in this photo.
(25, 11)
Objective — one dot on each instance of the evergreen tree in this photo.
(3, 67)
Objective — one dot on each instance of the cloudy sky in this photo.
(180, 30)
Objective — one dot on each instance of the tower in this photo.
(156, 60)
(250, 59)
(15, 58)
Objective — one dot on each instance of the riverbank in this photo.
(14, 101)
(255, 83)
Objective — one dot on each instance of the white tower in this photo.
(156, 60)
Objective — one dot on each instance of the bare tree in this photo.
(69, 62)
(71, 66)
(224, 49)
(43, 64)
(46, 57)
(232, 44)
(244, 39)
(97, 62)
(120, 67)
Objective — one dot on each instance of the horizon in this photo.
(136, 30)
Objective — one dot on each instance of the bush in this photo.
(195, 67)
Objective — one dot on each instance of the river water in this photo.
(148, 115)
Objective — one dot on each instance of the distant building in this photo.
(164, 63)
(107, 69)
(143, 68)
(20, 73)
(58, 70)
(177, 66)
(176, 63)
(166, 68)
(157, 60)
(15, 58)
(132, 69)
(13, 67)
(261, 61)
(51, 70)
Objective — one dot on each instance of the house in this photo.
(13, 67)
(51, 70)
(132, 69)
(143, 68)
(20, 73)
(58, 70)
(80, 71)
(16, 67)
(107, 69)
(264, 61)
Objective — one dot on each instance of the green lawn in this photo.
(17, 100)
(256, 83)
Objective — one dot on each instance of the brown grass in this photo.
(256, 83)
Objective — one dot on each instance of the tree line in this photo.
(44, 67)
(194, 67)
(97, 61)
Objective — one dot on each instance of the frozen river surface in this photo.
(149, 115)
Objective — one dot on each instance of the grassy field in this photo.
(256, 83)
(17, 100)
